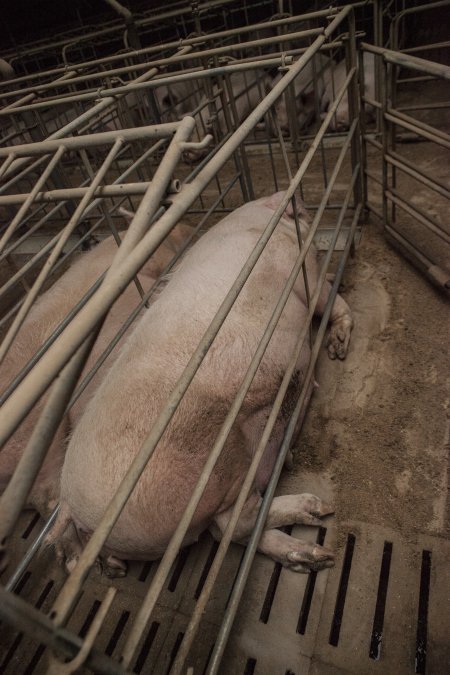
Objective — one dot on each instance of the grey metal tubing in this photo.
(247, 560)
(139, 256)
(64, 236)
(141, 85)
(394, 26)
(120, 9)
(191, 42)
(81, 387)
(430, 47)
(430, 106)
(420, 128)
(32, 95)
(150, 132)
(21, 615)
(31, 551)
(15, 495)
(413, 211)
(169, 60)
(30, 198)
(189, 633)
(182, 385)
(25, 396)
(408, 167)
(407, 61)
(100, 107)
(103, 191)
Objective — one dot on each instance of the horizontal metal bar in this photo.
(136, 85)
(104, 191)
(407, 61)
(429, 47)
(191, 42)
(413, 211)
(412, 170)
(215, 51)
(420, 128)
(92, 140)
(425, 106)
(24, 617)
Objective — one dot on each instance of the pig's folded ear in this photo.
(128, 215)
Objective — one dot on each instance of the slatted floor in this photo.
(384, 608)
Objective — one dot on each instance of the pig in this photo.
(129, 399)
(305, 91)
(247, 91)
(46, 314)
(6, 70)
(340, 121)
(174, 101)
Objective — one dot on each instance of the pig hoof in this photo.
(339, 338)
(311, 509)
(306, 557)
(114, 568)
(289, 461)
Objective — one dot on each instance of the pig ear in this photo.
(301, 211)
(274, 200)
(128, 215)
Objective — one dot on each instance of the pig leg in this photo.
(341, 323)
(303, 509)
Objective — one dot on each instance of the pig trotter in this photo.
(339, 337)
(113, 568)
(295, 554)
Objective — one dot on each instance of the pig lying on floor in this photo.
(46, 314)
(120, 415)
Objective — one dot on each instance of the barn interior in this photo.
(87, 120)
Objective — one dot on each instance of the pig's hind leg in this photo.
(302, 509)
(341, 323)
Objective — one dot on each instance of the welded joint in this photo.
(196, 145)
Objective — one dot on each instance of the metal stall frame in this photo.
(392, 161)
(65, 357)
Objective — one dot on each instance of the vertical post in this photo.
(378, 40)
(353, 107)
(362, 124)
(385, 130)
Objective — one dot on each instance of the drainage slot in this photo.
(422, 619)
(89, 618)
(273, 584)
(21, 583)
(35, 660)
(31, 525)
(145, 650)
(342, 591)
(117, 633)
(206, 569)
(250, 666)
(145, 571)
(309, 590)
(175, 651)
(179, 567)
(378, 619)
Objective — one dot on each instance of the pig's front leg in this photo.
(341, 323)
(295, 554)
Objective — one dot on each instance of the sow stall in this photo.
(214, 606)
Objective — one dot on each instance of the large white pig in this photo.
(308, 84)
(46, 314)
(335, 80)
(131, 396)
(6, 70)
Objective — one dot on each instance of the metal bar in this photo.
(176, 540)
(247, 560)
(408, 167)
(407, 61)
(31, 197)
(26, 394)
(92, 140)
(429, 106)
(424, 130)
(191, 41)
(251, 44)
(65, 234)
(431, 224)
(142, 85)
(248, 482)
(19, 614)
